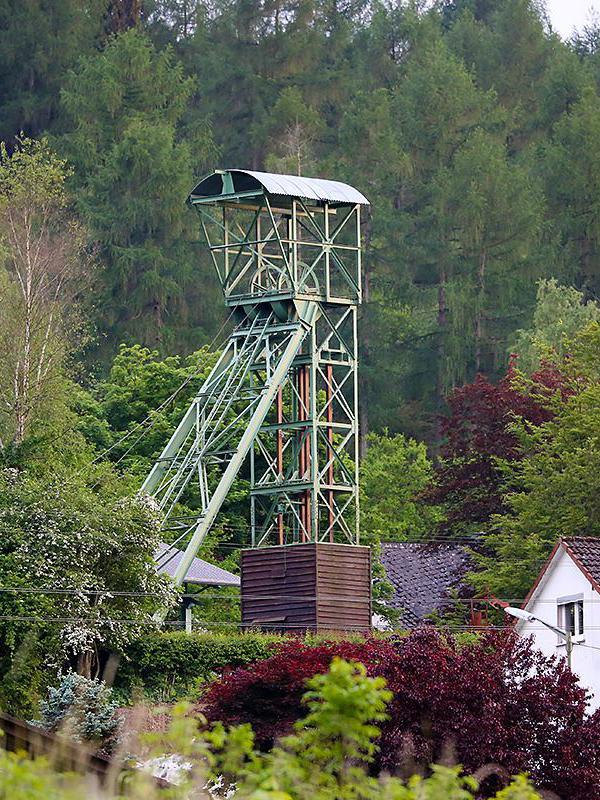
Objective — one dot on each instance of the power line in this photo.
(588, 646)
(108, 594)
(289, 626)
(214, 623)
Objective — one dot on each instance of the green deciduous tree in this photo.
(553, 492)
(142, 400)
(132, 413)
(394, 472)
(560, 313)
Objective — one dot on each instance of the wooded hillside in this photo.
(472, 128)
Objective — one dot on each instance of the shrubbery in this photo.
(59, 533)
(328, 757)
(494, 701)
(269, 694)
(167, 665)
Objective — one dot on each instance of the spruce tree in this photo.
(132, 177)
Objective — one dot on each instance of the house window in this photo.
(570, 615)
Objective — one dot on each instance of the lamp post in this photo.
(519, 613)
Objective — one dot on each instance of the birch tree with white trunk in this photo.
(42, 263)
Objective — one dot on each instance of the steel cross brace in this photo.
(228, 410)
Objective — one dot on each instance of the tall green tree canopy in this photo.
(554, 491)
(132, 176)
(38, 43)
(571, 166)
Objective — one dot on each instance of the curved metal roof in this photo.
(286, 185)
(311, 188)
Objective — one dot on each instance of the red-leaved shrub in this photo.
(497, 701)
(269, 693)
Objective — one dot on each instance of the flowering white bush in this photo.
(88, 558)
(171, 768)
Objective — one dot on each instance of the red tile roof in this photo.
(585, 552)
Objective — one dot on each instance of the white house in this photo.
(567, 594)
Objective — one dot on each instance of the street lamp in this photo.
(527, 617)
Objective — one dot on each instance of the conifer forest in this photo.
(470, 127)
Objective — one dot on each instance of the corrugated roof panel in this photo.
(311, 188)
(200, 571)
(291, 186)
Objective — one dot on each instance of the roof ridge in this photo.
(578, 538)
(424, 544)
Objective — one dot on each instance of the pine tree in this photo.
(132, 176)
(39, 42)
(490, 210)
(430, 136)
(571, 168)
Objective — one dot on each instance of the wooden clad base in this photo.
(300, 587)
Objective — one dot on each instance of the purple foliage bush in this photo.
(497, 706)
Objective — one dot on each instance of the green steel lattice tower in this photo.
(282, 399)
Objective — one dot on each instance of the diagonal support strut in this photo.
(247, 439)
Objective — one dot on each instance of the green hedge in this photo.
(169, 665)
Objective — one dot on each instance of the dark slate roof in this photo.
(585, 551)
(200, 572)
(422, 576)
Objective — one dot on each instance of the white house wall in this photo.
(563, 578)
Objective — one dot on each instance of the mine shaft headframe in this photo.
(277, 237)
(291, 247)
(281, 403)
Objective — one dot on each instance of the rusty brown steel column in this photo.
(280, 458)
(301, 455)
(330, 453)
(307, 460)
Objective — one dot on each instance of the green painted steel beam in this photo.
(243, 447)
